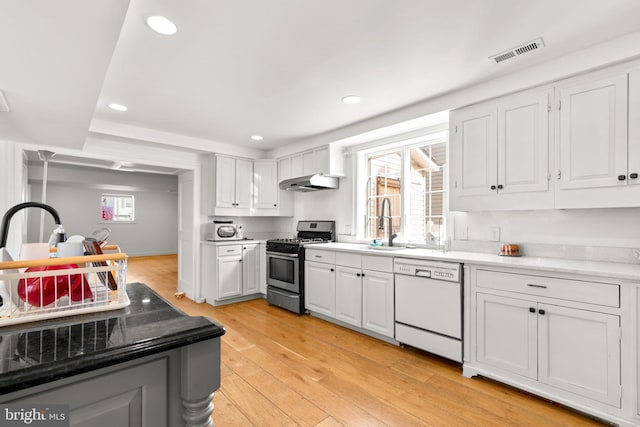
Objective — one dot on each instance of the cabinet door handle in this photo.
(633, 175)
(499, 186)
(532, 310)
(533, 285)
(239, 260)
(318, 256)
(358, 274)
(275, 206)
(362, 274)
(493, 187)
(622, 177)
(542, 312)
(332, 269)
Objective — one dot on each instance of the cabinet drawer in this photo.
(552, 287)
(348, 259)
(328, 257)
(228, 250)
(377, 263)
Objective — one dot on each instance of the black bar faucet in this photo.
(381, 223)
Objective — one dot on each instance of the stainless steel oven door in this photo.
(283, 271)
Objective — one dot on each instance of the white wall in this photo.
(75, 193)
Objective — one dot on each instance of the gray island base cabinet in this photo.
(146, 365)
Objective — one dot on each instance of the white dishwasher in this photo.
(428, 305)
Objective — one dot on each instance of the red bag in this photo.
(30, 290)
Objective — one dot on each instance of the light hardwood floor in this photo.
(282, 369)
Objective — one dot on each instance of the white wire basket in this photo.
(57, 287)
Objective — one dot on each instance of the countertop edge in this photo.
(610, 270)
(59, 370)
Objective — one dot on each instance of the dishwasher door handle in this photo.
(423, 273)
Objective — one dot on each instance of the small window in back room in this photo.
(117, 208)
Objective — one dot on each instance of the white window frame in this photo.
(120, 221)
(423, 137)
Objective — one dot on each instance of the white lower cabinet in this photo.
(355, 289)
(377, 302)
(557, 335)
(229, 276)
(230, 271)
(349, 295)
(636, 350)
(320, 288)
(507, 334)
(262, 261)
(250, 269)
(571, 349)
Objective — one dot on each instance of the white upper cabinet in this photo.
(309, 163)
(573, 145)
(474, 150)
(265, 184)
(225, 196)
(500, 154)
(598, 154)
(634, 127)
(327, 160)
(593, 132)
(523, 142)
(232, 181)
(241, 187)
(284, 169)
(244, 181)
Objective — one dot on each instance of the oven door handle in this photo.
(282, 255)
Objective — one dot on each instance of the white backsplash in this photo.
(586, 234)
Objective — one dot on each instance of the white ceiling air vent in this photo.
(4, 105)
(517, 51)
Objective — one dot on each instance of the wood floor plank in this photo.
(226, 413)
(283, 369)
(297, 407)
(259, 410)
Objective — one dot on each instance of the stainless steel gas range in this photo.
(285, 264)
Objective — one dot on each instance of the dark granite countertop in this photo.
(40, 352)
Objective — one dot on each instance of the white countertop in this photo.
(231, 242)
(610, 270)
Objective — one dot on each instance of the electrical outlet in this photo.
(464, 233)
(495, 234)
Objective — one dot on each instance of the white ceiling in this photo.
(277, 68)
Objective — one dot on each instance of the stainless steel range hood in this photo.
(310, 183)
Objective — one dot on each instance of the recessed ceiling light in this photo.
(162, 25)
(118, 107)
(351, 99)
(256, 137)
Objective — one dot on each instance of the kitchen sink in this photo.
(388, 248)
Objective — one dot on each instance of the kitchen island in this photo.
(148, 364)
